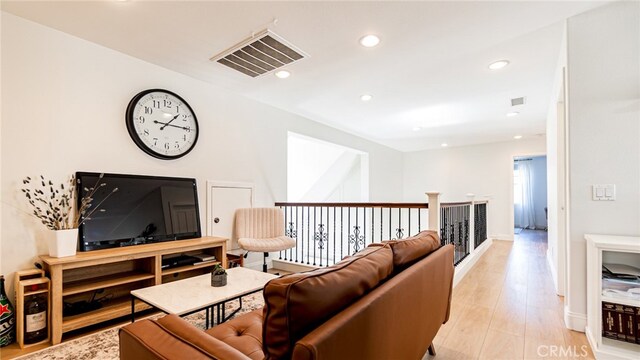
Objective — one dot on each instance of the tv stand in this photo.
(114, 273)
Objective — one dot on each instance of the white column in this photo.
(434, 210)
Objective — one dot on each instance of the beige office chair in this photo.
(262, 230)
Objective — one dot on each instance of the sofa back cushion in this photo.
(409, 250)
(295, 304)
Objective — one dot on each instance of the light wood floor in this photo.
(506, 308)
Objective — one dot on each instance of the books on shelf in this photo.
(621, 322)
(204, 259)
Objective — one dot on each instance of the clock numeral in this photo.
(167, 103)
(177, 109)
(177, 145)
(148, 110)
(166, 146)
(141, 119)
(156, 104)
(188, 128)
(184, 137)
(146, 132)
(155, 141)
(184, 117)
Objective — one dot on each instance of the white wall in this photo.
(484, 170)
(556, 173)
(318, 171)
(604, 134)
(64, 101)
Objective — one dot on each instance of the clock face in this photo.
(162, 124)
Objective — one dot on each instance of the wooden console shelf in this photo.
(110, 275)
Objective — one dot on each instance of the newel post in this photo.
(472, 222)
(433, 197)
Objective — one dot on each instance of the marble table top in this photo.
(196, 293)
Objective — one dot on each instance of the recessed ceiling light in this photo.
(444, 144)
(417, 128)
(366, 97)
(517, 137)
(513, 113)
(369, 41)
(283, 74)
(498, 64)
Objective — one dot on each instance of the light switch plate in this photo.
(604, 192)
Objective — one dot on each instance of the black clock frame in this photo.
(129, 118)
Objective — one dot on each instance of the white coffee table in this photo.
(185, 297)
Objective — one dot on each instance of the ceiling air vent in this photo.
(260, 54)
(517, 101)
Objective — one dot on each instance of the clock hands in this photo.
(167, 124)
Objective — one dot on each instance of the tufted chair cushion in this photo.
(243, 333)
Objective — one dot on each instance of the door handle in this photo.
(216, 220)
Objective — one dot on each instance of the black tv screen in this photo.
(143, 209)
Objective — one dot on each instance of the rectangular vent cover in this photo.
(517, 101)
(260, 54)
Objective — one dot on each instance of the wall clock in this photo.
(162, 124)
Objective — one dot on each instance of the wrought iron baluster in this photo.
(356, 239)
(334, 235)
(389, 224)
(341, 233)
(308, 232)
(381, 223)
(348, 229)
(364, 225)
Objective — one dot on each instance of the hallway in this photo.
(506, 308)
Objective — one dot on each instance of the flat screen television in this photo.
(144, 209)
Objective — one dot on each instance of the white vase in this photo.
(63, 243)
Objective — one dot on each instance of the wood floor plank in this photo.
(527, 318)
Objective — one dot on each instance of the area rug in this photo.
(103, 345)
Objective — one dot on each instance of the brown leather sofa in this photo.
(386, 302)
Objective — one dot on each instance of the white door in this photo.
(222, 201)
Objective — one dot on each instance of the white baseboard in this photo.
(465, 265)
(554, 272)
(575, 321)
(504, 237)
(293, 267)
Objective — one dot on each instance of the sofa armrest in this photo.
(172, 338)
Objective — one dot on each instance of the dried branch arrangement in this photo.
(55, 206)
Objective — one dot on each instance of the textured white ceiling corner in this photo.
(430, 69)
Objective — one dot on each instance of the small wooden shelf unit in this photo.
(110, 275)
(614, 249)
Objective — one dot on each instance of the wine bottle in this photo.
(7, 318)
(35, 317)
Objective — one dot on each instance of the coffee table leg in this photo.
(206, 321)
(224, 307)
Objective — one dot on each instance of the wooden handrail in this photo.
(357, 204)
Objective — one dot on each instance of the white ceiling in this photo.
(429, 71)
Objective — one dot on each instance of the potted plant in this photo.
(54, 205)
(218, 276)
